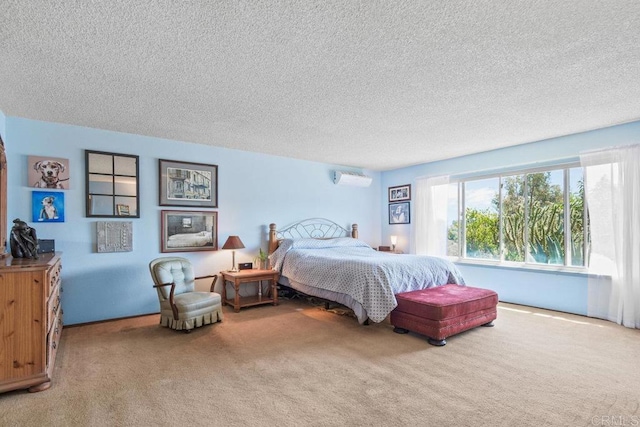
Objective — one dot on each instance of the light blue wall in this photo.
(558, 291)
(546, 289)
(254, 190)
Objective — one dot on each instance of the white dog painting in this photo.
(49, 172)
(48, 210)
(47, 206)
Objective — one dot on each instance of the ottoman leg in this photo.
(400, 330)
(488, 324)
(438, 343)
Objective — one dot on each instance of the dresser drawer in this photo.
(53, 306)
(53, 277)
(53, 342)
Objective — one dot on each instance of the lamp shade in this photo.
(233, 242)
(394, 240)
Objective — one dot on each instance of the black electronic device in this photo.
(245, 266)
(46, 246)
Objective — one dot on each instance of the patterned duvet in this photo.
(350, 266)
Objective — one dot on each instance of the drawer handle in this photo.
(55, 307)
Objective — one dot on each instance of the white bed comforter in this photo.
(186, 240)
(352, 267)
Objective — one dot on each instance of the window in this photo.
(533, 216)
(481, 219)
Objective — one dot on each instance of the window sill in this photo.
(541, 268)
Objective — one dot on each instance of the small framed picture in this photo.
(188, 184)
(399, 193)
(48, 172)
(123, 210)
(399, 213)
(47, 206)
(188, 231)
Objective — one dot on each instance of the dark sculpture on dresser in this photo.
(24, 243)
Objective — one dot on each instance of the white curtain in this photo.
(612, 190)
(430, 216)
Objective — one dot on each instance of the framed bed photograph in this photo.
(188, 184)
(189, 231)
(399, 213)
(400, 193)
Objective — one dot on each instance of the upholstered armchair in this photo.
(181, 307)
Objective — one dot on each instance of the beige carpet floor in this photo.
(300, 365)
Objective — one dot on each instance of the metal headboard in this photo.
(314, 228)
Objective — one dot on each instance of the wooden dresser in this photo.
(30, 321)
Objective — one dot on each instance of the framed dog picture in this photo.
(48, 172)
(47, 206)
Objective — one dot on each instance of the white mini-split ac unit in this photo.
(351, 178)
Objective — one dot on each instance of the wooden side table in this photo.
(236, 278)
(389, 251)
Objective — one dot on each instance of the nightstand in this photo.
(388, 250)
(236, 278)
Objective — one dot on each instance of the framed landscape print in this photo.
(188, 231)
(400, 193)
(399, 213)
(188, 184)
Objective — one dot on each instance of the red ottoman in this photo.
(442, 311)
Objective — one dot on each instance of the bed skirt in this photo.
(340, 298)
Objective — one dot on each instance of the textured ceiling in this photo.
(371, 84)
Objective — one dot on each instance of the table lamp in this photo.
(394, 240)
(233, 242)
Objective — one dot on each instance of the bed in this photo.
(320, 258)
(185, 240)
